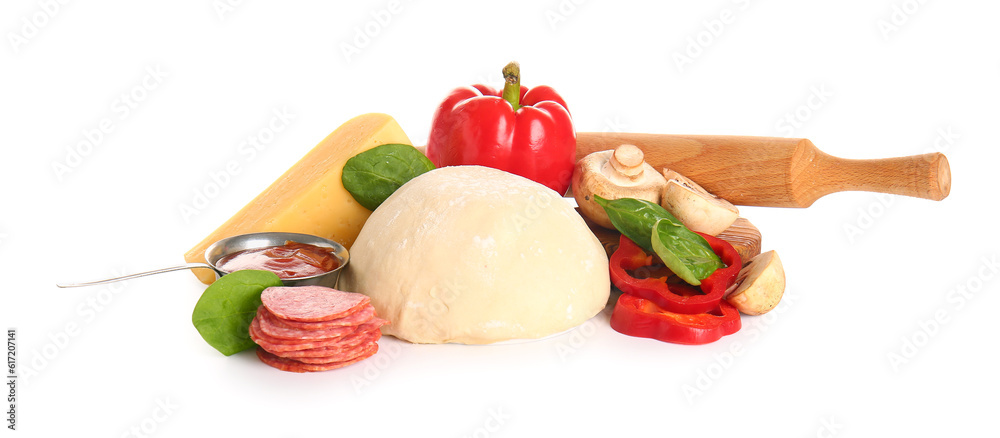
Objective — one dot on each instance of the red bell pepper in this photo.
(521, 131)
(635, 316)
(678, 298)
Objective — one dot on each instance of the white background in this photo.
(865, 273)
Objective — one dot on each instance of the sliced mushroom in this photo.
(759, 286)
(616, 174)
(694, 206)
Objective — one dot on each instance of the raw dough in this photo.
(474, 255)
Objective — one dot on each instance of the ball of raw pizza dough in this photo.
(474, 255)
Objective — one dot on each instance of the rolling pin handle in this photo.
(926, 176)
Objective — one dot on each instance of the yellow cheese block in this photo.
(310, 197)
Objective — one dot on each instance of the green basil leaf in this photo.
(684, 252)
(635, 218)
(657, 231)
(373, 175)
(224, 311)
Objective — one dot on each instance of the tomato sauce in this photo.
(291, 260)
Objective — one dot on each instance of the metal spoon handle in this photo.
(142, 274)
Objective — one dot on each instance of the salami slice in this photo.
(270, 325)
(314, 328)
(275, 345)
(358, 350)
(332, 350)
(299, 367)
(312, 303)
(357, 318)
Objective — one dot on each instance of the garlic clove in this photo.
(759, 285)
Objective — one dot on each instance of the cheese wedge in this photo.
(310, 197)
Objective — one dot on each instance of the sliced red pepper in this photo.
(630, 257)
(637, 317)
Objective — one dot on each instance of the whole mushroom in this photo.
(614, 174)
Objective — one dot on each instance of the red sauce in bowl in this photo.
(291, 260)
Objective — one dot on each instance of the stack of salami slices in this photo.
(314, 328)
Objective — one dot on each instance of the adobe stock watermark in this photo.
(829, 427)
(33, 23)
(375, 366)
(496, 418)
(792, 120)
(899, 15)
(493, 79)
(537, 203)
(122, 107)
(706, 377)
(956, 299)
(425, 317)
(248, 150)
(163, 409)
(59, 340)
(575, 340)
(368, 31)
(868, 215)
(614, 124)
(561, 12)
(712, 30)
(223, 8)
(442, 296)
(11, 378)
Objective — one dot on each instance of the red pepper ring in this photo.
(637, 317)
(630, 256)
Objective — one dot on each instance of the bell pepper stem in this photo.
(512, 84)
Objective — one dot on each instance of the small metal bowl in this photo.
(230, 245)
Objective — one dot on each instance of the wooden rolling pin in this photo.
(777, 172)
